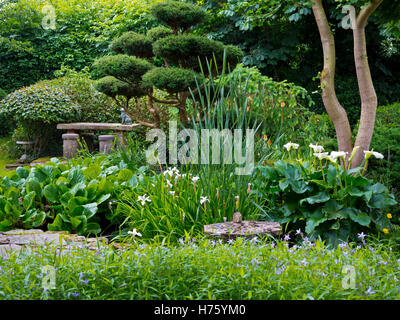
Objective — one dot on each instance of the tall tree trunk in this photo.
(334, 109)
(155, 112)
(369, 101)
(183, 116)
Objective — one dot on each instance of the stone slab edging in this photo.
(16, 240)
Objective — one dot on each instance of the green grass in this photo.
(4, 159)
(205, 270)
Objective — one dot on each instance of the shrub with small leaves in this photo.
(41, 102)
(38, 108)
(178, 15)
(133, 44)
(3, 94)
(171, 79)
(158, 33)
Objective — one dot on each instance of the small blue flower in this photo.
(361, 235)
(75, 294)
(369, 292)
(342, 245)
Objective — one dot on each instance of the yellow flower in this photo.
(385, 230)
(389, 215)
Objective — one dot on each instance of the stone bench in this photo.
(71, 138)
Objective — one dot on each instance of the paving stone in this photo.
(15, 240)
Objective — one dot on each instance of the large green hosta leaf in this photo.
(358, 216)
(52, 193)
(318, 198)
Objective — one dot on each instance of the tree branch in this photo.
(366, 12)
(332, 105)
(132, 115)
(163, 101)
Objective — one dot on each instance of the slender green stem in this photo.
(322, 169)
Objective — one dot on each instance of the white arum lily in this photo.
(353, 153)
(291, 145)
(332, 159)
(143, 199)
(337, 154)
(377, 155)
(134, 233)
(321, 155)
(317, 148)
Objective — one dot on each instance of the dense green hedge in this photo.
(84, 29)
(38, 108)
(386, 140)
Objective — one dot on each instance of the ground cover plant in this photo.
(207, 269)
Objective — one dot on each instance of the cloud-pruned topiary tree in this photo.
(132, 73)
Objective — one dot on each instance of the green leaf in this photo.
(299, 186)
(283, 184)
(57, 224)
(51, 193)
(378, 201)
(34, 185)
(315, 220)
(355, 192)
(332, 209)
(124, 175)
(22, 172)
(27, 202)
(359, 217)
(90, 210)
(318, 198)
(76, 202)
(75, 222)
(360, 181)
(75, 176)
(5, 225)
(65, 198)
(43, 173)
(38, 219)
(105, 186)
(103, 198)
(93, 227)
(92, 172)
(332, 175)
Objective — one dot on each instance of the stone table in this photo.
(71, 138)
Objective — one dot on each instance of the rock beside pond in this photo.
(15, 240)
(247, 229)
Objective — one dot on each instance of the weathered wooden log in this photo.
(246, 229)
